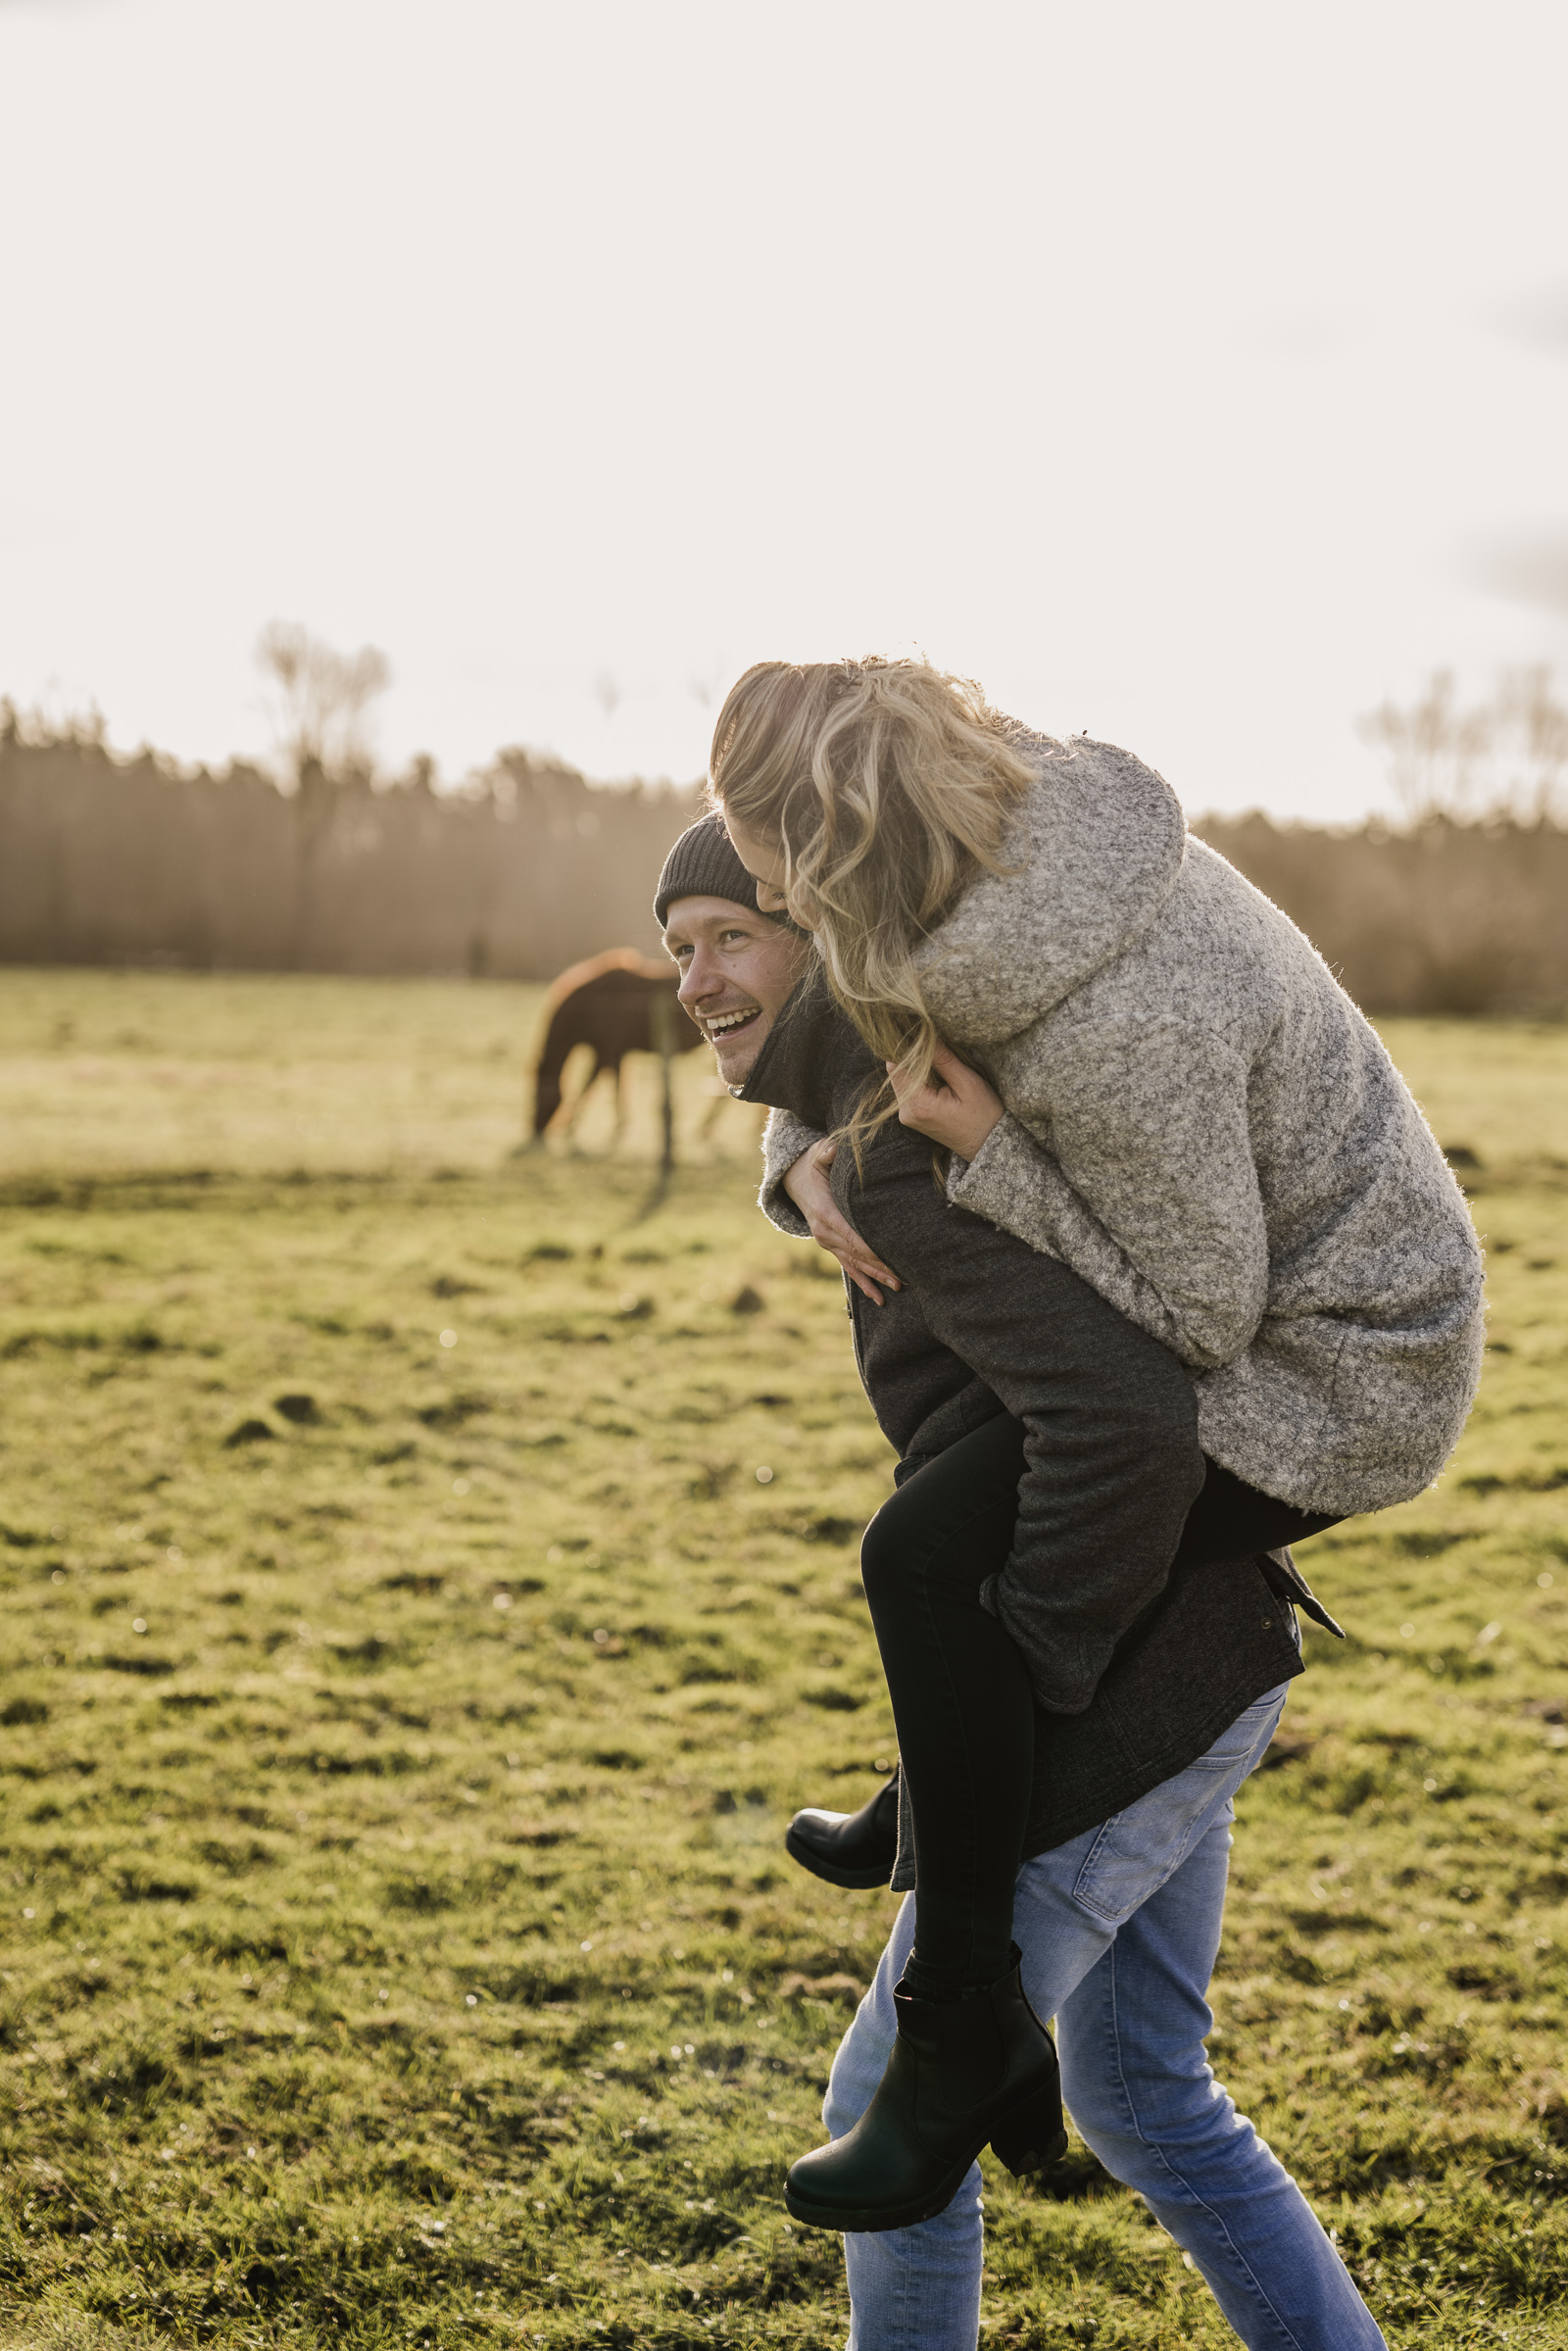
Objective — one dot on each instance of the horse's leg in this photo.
(569, 1121)
(553, 1057)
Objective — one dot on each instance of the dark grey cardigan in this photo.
(1135, 1670)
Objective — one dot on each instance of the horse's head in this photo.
(546, 1098)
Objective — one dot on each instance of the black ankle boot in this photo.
(857, 1849)
(961, 2072)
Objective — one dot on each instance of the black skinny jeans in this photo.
(961, 1700)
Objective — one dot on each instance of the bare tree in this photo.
(1505, 757)
(1535, 739)
(319, 698)
(1434, 749)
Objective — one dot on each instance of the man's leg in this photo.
(918, 2289)
(1138, 2083)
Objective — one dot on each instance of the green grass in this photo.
(396, 1941)
(136, 1072)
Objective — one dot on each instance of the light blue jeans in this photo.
(1120, 1931)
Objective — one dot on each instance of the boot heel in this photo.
(1032, 2134)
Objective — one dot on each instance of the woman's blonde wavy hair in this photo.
(886, 785)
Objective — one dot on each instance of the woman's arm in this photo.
(798, 1197)
(785, 1140)
(1128, 1155)
(955, 1108)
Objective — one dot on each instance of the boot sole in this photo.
(1015, 2151)
(854, 1881)
(872, 2222)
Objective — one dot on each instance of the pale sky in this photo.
(1197, 375)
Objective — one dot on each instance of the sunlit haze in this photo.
(1196, 376)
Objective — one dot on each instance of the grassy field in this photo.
(430, 1582)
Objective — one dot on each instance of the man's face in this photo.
(737, 970)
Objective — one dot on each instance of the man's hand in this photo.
(956, 1108)
(808, 1185)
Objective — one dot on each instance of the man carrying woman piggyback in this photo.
(1195, 1283)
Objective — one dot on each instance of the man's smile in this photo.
(732, 1018)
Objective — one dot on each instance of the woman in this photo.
(1187, 1112)
(1193, 1114)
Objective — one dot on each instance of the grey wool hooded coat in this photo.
(1202, 1126)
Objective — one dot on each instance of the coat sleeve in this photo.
(1111, 1454)
(784, 1138)
(1128, 1155)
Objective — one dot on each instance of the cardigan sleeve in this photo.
(784, 1138)
(1128, 1156)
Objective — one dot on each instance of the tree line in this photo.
(528, 868)
(524, 869)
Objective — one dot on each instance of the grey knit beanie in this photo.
(703, 864)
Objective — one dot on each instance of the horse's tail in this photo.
(565, 1028)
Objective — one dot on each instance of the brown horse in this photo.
(616, 1003)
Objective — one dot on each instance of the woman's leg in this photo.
(961, 1700)
(960, 1693)
(1230, 1520)
(909, 2287)
(970, 2061)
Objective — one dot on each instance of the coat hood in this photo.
(1094, 853)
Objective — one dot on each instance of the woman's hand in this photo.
(956, 1108)
(808, 1185)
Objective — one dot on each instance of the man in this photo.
(965, 1336)
(739, 967)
